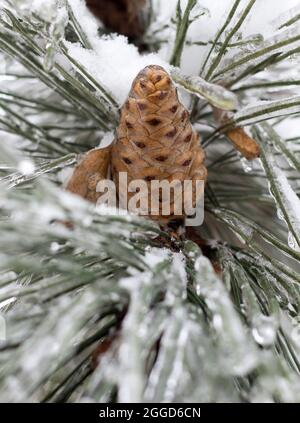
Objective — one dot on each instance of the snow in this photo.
(204, 29)
(289, 128)
(47, 9)
(114, 71)
(26, 167)
(64, 175)
(106, 140)
(156, 256)
(178, 266)
(115, 63)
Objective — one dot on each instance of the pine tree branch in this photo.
(219, 34)
(211, 71)
(183, 22)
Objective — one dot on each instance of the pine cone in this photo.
(91, 169)
(241, 141)
(246, 145)
(123, 16)
(155, 139)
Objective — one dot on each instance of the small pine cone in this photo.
(246, 145)
(91, 169)
(241, 141)
(155, 139)
(126, 17)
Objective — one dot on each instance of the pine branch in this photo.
(88, 98)
(183, 22)
(211, 72)
(268, 110)
(219, 34)
(275, 44)
(214, 94)
(286, 199)
(78, 28)
(281, 145)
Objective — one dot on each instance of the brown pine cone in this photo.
(123, 16)
(246, 145)
(91, 169)
(241, 141)
(155, 139)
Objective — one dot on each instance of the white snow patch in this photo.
(156, 256)
(114, 63)
(106, 140)
(64, 175)
(26, 167)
